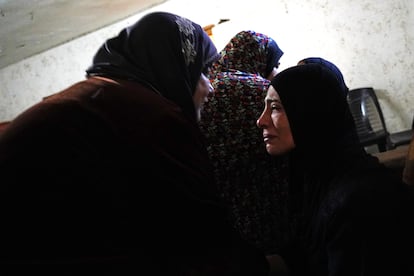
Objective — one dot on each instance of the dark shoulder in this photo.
(374, 190)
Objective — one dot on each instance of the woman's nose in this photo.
(264, 120)
(259, 121)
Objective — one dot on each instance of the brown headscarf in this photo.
(163, 51)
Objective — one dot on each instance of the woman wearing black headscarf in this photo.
(114, 169)
(349, 215)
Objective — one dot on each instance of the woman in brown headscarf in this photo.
(114, 169)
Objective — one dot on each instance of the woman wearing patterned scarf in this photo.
(114, 169)
(249, 181)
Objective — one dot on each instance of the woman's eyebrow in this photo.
(271, 100)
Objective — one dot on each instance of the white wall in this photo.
(371, 41)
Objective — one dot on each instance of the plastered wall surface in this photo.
(372, 42)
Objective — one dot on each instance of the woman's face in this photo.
(275, 125)
(200, 96)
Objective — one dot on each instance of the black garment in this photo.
(85, 181)
(350, 215)
(115, 171)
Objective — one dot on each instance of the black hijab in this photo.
(163, 51)
(324, 132)
(318, 113)
(329, 65)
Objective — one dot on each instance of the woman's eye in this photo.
(275, 107)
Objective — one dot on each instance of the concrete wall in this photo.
(371, 41)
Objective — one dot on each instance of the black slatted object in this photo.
(368, 117)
